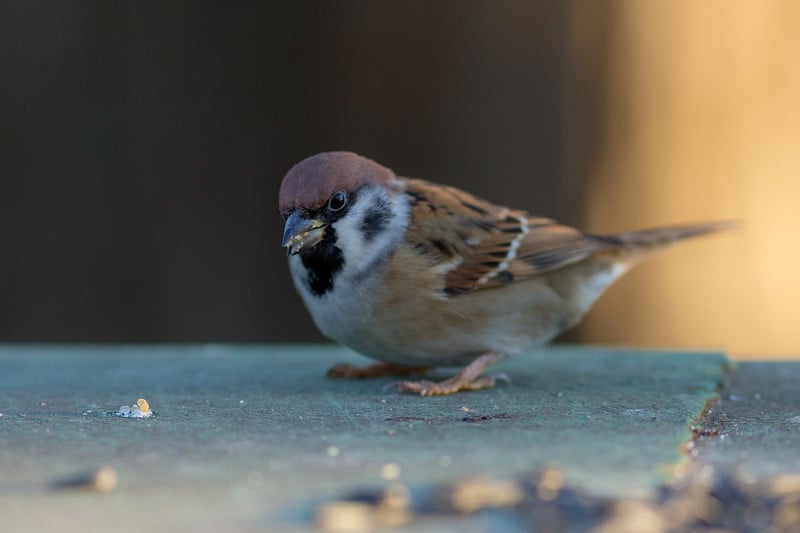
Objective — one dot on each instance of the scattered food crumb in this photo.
(345, 517)
(390, 471)
(103, 479)
(140, 410)
(391, 509)
(481, 493)
(786, 484)
(707, 502)
(632, 515)
(550, 484)
(465, 409)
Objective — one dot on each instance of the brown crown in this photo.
(312, 181)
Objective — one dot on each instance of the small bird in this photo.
(420, 275)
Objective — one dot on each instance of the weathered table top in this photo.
(254, 437)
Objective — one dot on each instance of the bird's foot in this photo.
(466, 380)
(449, 386)
(375, 370)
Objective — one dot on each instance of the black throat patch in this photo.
(323, 262)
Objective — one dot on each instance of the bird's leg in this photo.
(375, 370)
(467, 379)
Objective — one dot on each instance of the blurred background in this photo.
(143, 145)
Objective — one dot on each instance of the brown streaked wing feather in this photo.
(474, 239)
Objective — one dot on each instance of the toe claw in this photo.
(468, 379)
(393, 385)
(421, 387)
(341, 370)
(502, 376)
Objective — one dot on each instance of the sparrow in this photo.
(420, 275)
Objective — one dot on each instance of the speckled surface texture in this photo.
(754, 430)
(251, 438)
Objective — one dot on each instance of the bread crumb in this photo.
(140, 410)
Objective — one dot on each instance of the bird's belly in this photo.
(452, 332)
(420, 328)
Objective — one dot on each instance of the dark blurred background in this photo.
(143, 144)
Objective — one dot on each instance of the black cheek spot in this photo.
(375, 220)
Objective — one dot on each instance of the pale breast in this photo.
(425, 328)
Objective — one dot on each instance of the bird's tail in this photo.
(635, 245)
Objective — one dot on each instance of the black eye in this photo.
(337, 201)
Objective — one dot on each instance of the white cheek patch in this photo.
(363, 243)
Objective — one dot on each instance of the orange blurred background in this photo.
(700, 121)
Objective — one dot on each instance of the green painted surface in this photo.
(251, 437)
(756, 425)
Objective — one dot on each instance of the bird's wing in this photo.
(478, 245)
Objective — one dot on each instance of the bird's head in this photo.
(328, 188)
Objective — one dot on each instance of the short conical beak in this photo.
(301, 233)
